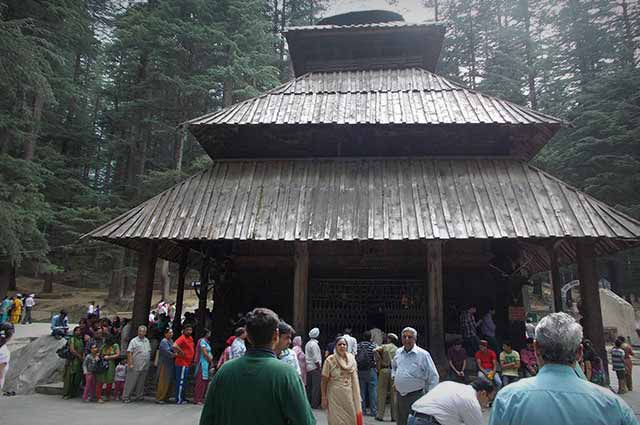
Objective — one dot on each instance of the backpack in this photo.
(362, 359)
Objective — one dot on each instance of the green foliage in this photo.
(24, 213)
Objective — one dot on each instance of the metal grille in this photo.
(336, 304)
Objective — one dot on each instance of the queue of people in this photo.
(287, 378)
(17, 309)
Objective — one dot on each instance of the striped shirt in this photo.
(367, 347)
(617, 358)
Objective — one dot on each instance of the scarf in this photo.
(346, 363)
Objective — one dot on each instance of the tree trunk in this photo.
(47, 286)
(12, 277)
(116, 287)
(165, 283)
(227, 88)
(629, 41)
(5, 277)
(531, 74)
(472, 49)
(283, 24)
(182, 139)
(30, 142)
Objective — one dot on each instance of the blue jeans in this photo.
(368, 380)
(496, 378)
(182, 372)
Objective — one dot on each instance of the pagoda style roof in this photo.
(409, 97)
(364, 45)
(352, 199)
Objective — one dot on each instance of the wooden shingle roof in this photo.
(413, 98)
(372, 199)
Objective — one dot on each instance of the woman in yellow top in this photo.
(16, 312)
(340, 388)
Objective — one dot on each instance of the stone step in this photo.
(50, 389)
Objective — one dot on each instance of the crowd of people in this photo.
(510, 365)
(17, 309)
(553, 387)
(265, 365)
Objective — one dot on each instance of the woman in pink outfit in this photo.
(297, 348)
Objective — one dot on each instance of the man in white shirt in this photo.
(414, 373)
(352, 343)
(138, 363)
(91, 308)
(452, 403)
(29, 302)
(313, 358)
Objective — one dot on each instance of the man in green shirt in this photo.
(257, 388)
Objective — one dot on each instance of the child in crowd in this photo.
(457, 357)
(510, 363)
(617, 362)
(528, 359)
(121, 374)
(628, 353)
(88, 368)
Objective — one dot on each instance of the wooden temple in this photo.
(369, 191)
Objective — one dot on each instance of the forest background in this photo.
(92, 94)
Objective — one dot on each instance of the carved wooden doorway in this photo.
(361, 304)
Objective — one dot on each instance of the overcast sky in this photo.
(412, 10)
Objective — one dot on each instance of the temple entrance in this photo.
(361, 304)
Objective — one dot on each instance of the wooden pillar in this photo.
(201, 317)
(144, 286)
(182, 275)
(590, 296)
(556, 281)
(435, 297)
(300, 286)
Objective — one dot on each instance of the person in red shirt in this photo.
(185, 351)
(487, 364)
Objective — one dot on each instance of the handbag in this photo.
(101, 366)
(64, 352)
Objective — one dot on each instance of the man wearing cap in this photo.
(313, 356)
(487, 362)
(384, 356)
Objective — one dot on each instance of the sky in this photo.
(412, 10)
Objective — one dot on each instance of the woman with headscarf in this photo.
(5, 308)
(225, 354)
(340, 388)
(299, 352)
(110, 352)
(204, 361)
(16, 312)
(73, 367)
(166, 370)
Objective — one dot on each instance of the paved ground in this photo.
(52, 410)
